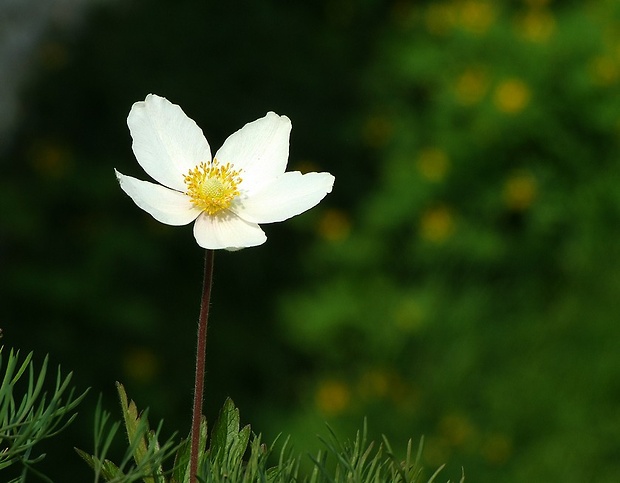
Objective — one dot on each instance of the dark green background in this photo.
(461, 282)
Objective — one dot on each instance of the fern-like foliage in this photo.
(29, 413)
(233, 454)
(144, 456)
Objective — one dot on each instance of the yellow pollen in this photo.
(212, 187)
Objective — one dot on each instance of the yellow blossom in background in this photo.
(440, 17)
(520, 191)
(140, 364)
(511, 96)
(497, 449)
(476, 16)
(471, 86)
(380, 384)
(335, 225)
(437, 224)
(604, 70)
(456, 429)
(374, 384)
(536, 25)
(332, 397)
(433, 163)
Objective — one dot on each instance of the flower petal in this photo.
(227, 231)
(166, 142)
(163, 204)
(290, 194)
(260, 149)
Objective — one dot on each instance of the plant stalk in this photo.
(200, 365)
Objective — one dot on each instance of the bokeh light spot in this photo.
(332, 397)
(604, 70)
(437, 224)
(497, 449)
(477, 16)
(535, 25)
(433, 164)
(377, 131)
(520, 191)
(334, 225)
(440, 17)
(456, 429)
(512, 96)
(471, 86)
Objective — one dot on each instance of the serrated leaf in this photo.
(138, 433)
(180, 472)
(86, 457)
(273, 473)
(108, 470)
(239, 445)
(202, 446)
(181, 463)
(225, 430)
(133, 425)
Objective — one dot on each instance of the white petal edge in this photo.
(166, 143)
(227, 231)
(259, 149)
(165, 205)
(289, 195)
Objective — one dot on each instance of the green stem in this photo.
(200, 365)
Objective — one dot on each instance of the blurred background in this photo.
(462, 281)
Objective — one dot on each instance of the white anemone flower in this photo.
(227, 196)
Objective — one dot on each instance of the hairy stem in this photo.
(200, 364)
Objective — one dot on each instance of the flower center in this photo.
(212, 187)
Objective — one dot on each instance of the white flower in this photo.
(228, 196)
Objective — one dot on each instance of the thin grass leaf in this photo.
(37, 416)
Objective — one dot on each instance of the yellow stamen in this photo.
(212, 187)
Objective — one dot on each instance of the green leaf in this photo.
(226, 429)
(133, 425)
(180, 472)
(239, 445)
(228, 444)
(107, 469)
(34, 415)
(181, 463)
(139, 436)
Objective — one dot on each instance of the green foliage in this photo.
(29, 414)
(228, 442)
(236, 455)
(144, 449)
(356, 462)
(484, 260)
